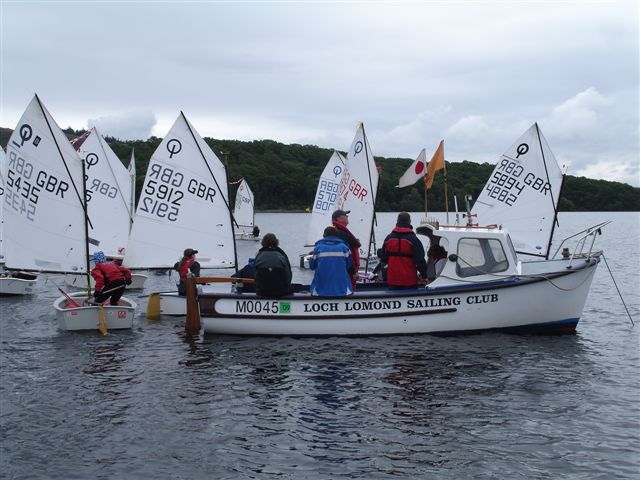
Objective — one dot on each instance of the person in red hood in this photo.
(185, 266)
(404, 255)
(111, 279)
(340, 220)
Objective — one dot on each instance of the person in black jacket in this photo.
(273, 270)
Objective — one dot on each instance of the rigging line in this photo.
(83, 204)
(616, 285)
(233, 220)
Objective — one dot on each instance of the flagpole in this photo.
(446, 194)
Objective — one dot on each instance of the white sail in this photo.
(184, 203)
(522, 193)
(3, 161)
(109, 193)
(358, 188)
(44, 216)
(132, 179)
(326, 197)
(243, 211)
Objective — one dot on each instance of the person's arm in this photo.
(127, 274)
(418, 256)
(96, 273)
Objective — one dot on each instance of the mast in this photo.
(375, 195)
(553, 202)
(555, 219)
(86, 227)
(226, 202)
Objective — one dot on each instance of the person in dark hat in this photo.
(111, 280)
(187, 264)
(340, 220)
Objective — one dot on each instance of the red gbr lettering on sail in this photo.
(358, 190)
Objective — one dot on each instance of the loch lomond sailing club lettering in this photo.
(377, 305)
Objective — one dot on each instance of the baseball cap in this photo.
(189, 251)
(339, 213)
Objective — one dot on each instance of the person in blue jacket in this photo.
(331, 261)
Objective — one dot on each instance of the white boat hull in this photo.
(16, 286)
(511, 304)
(86, 318)
(80, 281)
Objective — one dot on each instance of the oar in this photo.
(71, 301)
(102, 322)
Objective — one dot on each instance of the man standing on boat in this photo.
(111, 279)
(340, 220)
(404, 255)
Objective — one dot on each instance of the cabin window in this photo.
(479, 256)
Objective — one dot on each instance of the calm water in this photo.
(149, 403)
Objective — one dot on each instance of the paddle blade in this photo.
(153, 307)
(102, 321)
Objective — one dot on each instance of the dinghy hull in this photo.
(10, 285)
(86, 317)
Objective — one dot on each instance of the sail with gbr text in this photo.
(358, 188)
(109, 193)
(522, 193)
(44, 222)
(183, 204)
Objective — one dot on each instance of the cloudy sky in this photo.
(476, 74)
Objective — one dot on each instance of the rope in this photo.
(616, 285)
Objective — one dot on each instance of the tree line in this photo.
(285, 177)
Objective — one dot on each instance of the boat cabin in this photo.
(474, 254)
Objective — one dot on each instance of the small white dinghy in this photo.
(17, 283)
(244, 213)
(73, 314)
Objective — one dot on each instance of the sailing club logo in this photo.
(522, 149)
(173, 146)
(91, 159)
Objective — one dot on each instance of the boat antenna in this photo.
(226, 202)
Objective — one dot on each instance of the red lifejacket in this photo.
(107, 272)
(184, 271)
(398, 249)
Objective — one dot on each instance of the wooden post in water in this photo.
(192, 324)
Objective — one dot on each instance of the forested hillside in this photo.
(284, 177)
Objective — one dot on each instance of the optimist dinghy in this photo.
(73, 313)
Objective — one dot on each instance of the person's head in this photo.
(190, 252)
(117, 261)
(404, 217)
(331, 232)
(98, 257)
(341, 216)
(270, 241)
